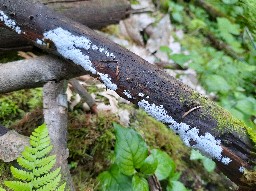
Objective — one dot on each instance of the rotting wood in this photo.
(162, 96)
(92, 13)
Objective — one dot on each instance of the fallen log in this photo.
(206, 126)
(92, 13)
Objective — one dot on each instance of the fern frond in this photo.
(44, 152)
(40, 181)
(45, 161)
(62, 187)
(18, 186)
(44, 143)
(44, 169)
(28, 155)
(26, 164)
(21, 174)
(52, 185)
(37, 165)
(1, 189)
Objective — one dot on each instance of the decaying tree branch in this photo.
(210, 129)
(55, 115)
(93, 13)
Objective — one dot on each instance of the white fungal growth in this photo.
(40, 42)
(127, 93)
(94, 47)
(70, 46)
(241, 169)
(141, 94)
(9, 22)
(157, 112)
(190, 136)
(107, 81)
(226, 160)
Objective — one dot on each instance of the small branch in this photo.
(86, 97)
(154, 184)
(55, 114)
(35, 72)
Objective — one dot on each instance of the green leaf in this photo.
(165, 167)
(18, 186)
(195, 155)
(180, 59)
(165, 49)
(1, 189)
(139, 183)
(247, 106)
(113, 179)
(130, 149)
(177, 16)
(209, 164)
(229, 2)
(149, 165)
(216, 83)
(176, 186)
(175, 176)
(225, 26)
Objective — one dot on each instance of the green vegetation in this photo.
(14, 105)
(221, 50)
(36, 166)
(133, 164)
(208, 164)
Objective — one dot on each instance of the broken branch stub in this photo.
(209, 128)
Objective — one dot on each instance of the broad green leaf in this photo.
(177, 16)
(149, 165)
(139, 183)
(176, 186)
(195, 155)
(247, 106)
(229, 1)
(175, 176)
(237, 113)
(180, 59)
(209, 164)
(165, 49)
(216, 83)
(130, 149)
(113, 179)
(165, 166)
(225, 26)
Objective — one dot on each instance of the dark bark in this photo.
(92, 13)
(160, 95)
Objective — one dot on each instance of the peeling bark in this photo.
(162, 96)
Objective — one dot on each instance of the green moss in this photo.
(225, 121)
